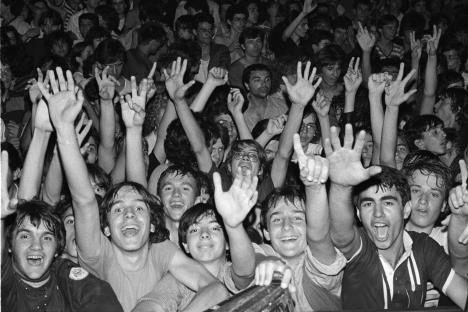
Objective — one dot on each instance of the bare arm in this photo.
(216, 77)
(376, 85)
(321, 107)
(64, 107)
(300, 94)
(275, 126)
(308, 7)
(352, 81)
(235, 101)
(345, 171)
(8, 205)
(366, 41)
(430, 77)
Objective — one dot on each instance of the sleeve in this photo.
(97, 265)
(169, 294)
(326, 276)
(438, 266)
(227, 280)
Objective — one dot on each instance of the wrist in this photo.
(107, 102)
(375, 95)
(134, 130)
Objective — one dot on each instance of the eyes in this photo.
(214, 228)
(25, 236)
(293, 219)
(170, 188)
(123, 209)
(418, 192)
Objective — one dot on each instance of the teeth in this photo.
(34, 257)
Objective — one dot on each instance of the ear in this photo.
(260, 171)
(152, 228)
(358, 213)
(246, 86)
(107, 231)
(186, 248)
(266, 234)
(444, 206)
(407, 210)
(419, 143)
(242, 46)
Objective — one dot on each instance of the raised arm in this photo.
(345, 171)
(366, 41)
(314, 175)
(352, 81)
(177, 89)
(394, 96)
(430, 77)
(458, 226)
(376, 85)
(275, 126)
(235, 101)
(416, 52)
(300, 94)
(133, 115)
(30, 182)
(307, 8)
(321, 107)
(106, 150)
(233, 206)
(217, 76)
(8, 204)
(64, 107)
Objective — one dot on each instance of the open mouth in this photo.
(35, 260)
(381, 231)
(177, 205)
(289, 239)
(130, 230)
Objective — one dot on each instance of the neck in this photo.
(257, 103)
(143, 49)
(394, 253)
(448, 157)
(132, 260)
(215, 266)
(35, 283)
(384, 41)
(293, 262)
(173, 228)
(252, 59)
(410, 226)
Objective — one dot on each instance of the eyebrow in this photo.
(294, 211)
(133, 200)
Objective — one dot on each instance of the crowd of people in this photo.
(166, 155)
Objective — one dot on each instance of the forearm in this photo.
(107, 136)
(168, 116)
(324, 122)
(33, 165)
(458, 251)
(341, 215)
(207, 297)
(118, 172)
(242, 256)
(134, 160)
(389, 137)
(291, 27)
(377, 119)
(317, 213)
(366, 66)
(202, 97)
(263, 138)
(242, 129)
(53, 181)
(430, 86)
(349, 101)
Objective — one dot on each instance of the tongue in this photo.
(129, 232)
(382, 232)
(34, 261)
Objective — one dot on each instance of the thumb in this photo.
(463, 239)
(374, 170)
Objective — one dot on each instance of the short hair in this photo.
(14, 159)
(38, 212)
(90, 17)
(183, 171)
(413, 21)
(386, 179)
(203, 18)
(387, 19)
(58, 36)
(419, 155)
(62, 206)
(318, 35)
(428, 167)
(150, 10)
(217, 104)
(342, 22)
(97, 32)
(53, 16)
(193, 215)
(110, 51)
(151, 31)
(235, 9)
(251, 68)
(197, 5)
(184, 22)
(415, 128)
(289, 194)
(99, 176)
(459, 99)
(239, 145)
(76, 51)
(330, 55)
(154, 206)
(250, 33)
(448, 78)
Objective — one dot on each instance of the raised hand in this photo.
(106, 84)
(65, 102)
(217, 76)
(304, 89)
(265, 270)
(8, 204)
(353, 77)
(42, 120)
(235, 204)
(345, 167)
(33, 88)
(276, 125)
(175, 80)
(309, 6)
(433, 41)
(395, 90)
(365, 38)
(416, 47)
(313, 169)
(458, 200)
(376, 83)
(235, 101)
(133, 107)
(321, 105)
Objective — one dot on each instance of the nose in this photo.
(378, 211)
(423, 198)
(205, 234)
(176, 192)
(129, 213)
(286, 224)
(36, 243)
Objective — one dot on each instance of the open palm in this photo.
(304, 89)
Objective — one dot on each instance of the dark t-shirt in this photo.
(365, 285)
(70, 288)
